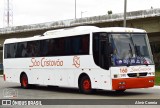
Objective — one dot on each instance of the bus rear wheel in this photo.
(24, 81)
(85, 85)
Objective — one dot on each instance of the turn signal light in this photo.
(151, 81)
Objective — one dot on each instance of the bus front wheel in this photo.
(85, 85)
(24, 81)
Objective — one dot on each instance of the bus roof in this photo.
(80, 30)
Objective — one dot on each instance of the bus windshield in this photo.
(130, 49)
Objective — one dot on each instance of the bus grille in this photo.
(137, 74)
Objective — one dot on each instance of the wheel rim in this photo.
(24, 81)
(86, 84)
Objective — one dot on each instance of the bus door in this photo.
(101, 53)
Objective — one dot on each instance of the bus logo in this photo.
(76, 61)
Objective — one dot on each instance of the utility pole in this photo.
(8, 13)
(125, 9)
(75, 9)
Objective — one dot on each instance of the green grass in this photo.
(157, 77)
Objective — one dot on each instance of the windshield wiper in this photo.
(131, 50)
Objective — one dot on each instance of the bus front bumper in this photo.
(129, 83)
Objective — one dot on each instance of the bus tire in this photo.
(85, 85)
(24, 81)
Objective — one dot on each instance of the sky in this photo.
(27, 12)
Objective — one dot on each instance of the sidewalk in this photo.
(156, 87)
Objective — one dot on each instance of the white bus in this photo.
(84, 57)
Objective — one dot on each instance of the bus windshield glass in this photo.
(130, 49)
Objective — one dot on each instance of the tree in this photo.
(109, 12)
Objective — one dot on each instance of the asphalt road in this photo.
(44, 92)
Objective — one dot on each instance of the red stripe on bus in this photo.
(128, 83)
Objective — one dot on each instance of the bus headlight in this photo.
(151, 81)
(151, 73)
(122, 83)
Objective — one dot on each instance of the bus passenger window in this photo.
(85, 44)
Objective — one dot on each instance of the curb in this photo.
(156, 87)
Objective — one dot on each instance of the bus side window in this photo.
(61, 47)
(67, 46)
(43, 48)
(75, 45)
(85, 44)
(51, 48)
(7, 53)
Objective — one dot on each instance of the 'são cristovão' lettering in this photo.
(43, 62)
